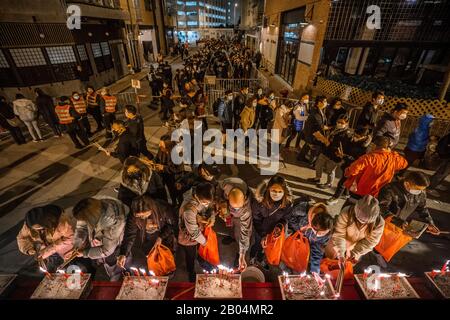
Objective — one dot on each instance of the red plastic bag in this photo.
(392, 240)
(295, 252)
(331, 267)
(161, 260)
(210, 251)
(274, 245)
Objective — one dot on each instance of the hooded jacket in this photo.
(244, 214)
(225, 111)
(108, 231)
(25, 109)
(60, 241)
(389, 127)
(418, 139)
(347, 236)
(265, 219)
(300, 219)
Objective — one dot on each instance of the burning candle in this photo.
(142, 270)
(303, 274)
(444, 267)
(62, 272)
(367, 272)
(47, 274)
(136, 272)
(434, 273)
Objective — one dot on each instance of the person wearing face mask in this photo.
(418, 140)
(248, 114)
(355, 147)
(195, 214)
(316, 224)
(334, 111)
(390, 124)
(80, 106)
(68, 119)
(238, 106)
(135, 125)
(403, 199)
(225, 112)
(358, 229)
(151, 222)
(314, 132)
(126, 142)
(235, 209)
(93, 100)
(368, 116)
(46, 108)
(260, 96)
(272, 205)
(300, 114)
(265, 116)
(108, 105)
(332, 155)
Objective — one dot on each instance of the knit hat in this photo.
(367, 209)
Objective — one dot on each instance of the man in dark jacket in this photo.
(135, 125)
(10, 122)
(238, 105)
(46, 108)
(368, 116)
(402, 199)
(390, 124)
(316, 224)
(443, 150)
(126, 145)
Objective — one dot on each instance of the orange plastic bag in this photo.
(161, 261)
(331, 267)
(274, 246)
(295, 252)
(392, 240)
(210, 252)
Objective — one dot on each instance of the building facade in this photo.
(38, 49)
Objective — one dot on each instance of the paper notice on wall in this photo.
(135, 83)
(346, 93)
(305, 53)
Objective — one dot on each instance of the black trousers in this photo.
(97, 115)
(309, 153)
(190, 253)
(142, 145)
(257, 251)
(108, 119)
(292, 136)
(16, 134)
(169, 181)
(84, 121)
(75, 132)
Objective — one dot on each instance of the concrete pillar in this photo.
(352, 60)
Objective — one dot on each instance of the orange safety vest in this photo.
(63, 113)
(80, 105)
(110, 103)
(92, 99)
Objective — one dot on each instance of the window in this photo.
(181, 13)
(192, 23)
(96, 50)
(3, 62)
(105, 48)
(191, 3)
(61, 54)
(82, 52)
(181, 23)
(28, 57)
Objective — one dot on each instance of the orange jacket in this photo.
(373, 171)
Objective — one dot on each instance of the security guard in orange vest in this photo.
(80, 106)
(93, 108)
(108, 104)
(68, 119)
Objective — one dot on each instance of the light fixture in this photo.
(107, 34)
(42, 35)
(90, 34)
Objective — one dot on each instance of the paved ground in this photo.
(55, 172)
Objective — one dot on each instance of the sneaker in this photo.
(324, 185)
(313, 180)
(433, 193)
(332, 201)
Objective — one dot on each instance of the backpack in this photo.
(216, 107)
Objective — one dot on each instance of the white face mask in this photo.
(276, 196)
(272, 96)
(380, 101)
(230, 98)
(76, 97)
(341, 126)
(255, 103)
(306, 101)
(415, 192)
(259, 92)
(402, 116)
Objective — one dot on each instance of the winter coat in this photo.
(338, 138)
(47, 109)
(59, 242)
(247, 118)
(151, 184)
(347, 236)
(443, 147)
(314, 123)
(396, 200)
(108, 231)
(418, 139)
(301, 219)
(25, 109)
(281, 121)
(225, 111)
(367, 117)
(265, 219)
(389, 127)
(333, 114)
(265, 114)
(244, 214)
(373, 171)
(164, 219)
(355, 149)
(190, 213)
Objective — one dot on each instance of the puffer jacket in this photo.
(191, 213)
(348, 237)
(418, 139)
(225, 111)
(265, 219)
(244, 214)
(25, 109)
(247, 118)
(300, 219)
(109, 230)
(60, 241)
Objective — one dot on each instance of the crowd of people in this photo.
(162, 203)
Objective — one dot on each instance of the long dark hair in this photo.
(142, 204)
(267, 200)
(46, 216)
